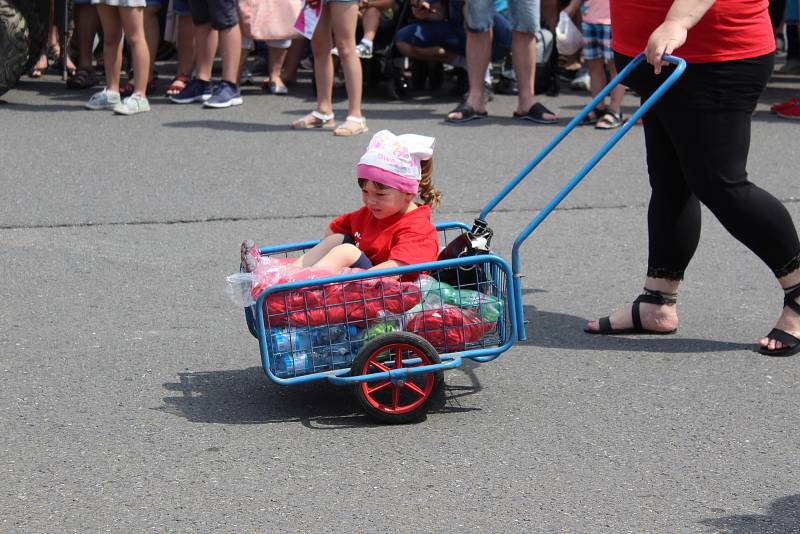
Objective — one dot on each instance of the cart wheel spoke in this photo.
(379, 387)
(395, 398)
(398, 359)
(415, 388)
(380, 366)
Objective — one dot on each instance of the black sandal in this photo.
(609, 121)
(468, 113)
(649, 296)
(536, 114)
(593, 116)
(791, 345)
(82, 79)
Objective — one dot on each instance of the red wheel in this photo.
(401, 400)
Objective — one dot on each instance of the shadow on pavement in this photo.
(783, 517)
(558, 330)
(247, 396)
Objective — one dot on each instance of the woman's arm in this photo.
(671, 34)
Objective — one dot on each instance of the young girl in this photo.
(391, 229)
(118, 17)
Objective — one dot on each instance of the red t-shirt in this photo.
(730, 29)
(409, 238)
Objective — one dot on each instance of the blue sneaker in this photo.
(224, 96)
(196, 91)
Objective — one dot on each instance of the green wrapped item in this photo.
(488, 306)
(381, 328)
(438, 293)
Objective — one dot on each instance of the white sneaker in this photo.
(105, 99)
(132, 105)
(581, 81)
(364, 51)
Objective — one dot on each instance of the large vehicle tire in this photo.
(36, 13)
(14, 43)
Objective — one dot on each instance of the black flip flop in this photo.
(468, 113)
(651, 297)
(536, 114)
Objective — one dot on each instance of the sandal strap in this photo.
(361, 121)
(661, 298)
(324, 117)
(789, 300)
(784, 337)
(637, 318)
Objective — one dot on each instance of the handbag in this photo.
(473, 243)
(569, 38)
(267, 20)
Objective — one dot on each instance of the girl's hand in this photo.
(664, 40)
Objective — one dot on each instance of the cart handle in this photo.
(681, 64)
(646, 105)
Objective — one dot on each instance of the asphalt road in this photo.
(131, 393)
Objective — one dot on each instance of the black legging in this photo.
(697, 138)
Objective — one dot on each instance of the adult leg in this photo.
(276, 57)
(87, 24)
(132, 19)
(152, 34)
(112, 44)
(321, 44)
(673, 222)
(524, 23)
(344, 18)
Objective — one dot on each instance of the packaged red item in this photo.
(448, 328)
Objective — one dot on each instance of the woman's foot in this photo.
(315, 119)
(784, 339)
(653, 312)
(351, 126)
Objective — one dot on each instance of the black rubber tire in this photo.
(36, 13)
(423, 348)
(14, 43)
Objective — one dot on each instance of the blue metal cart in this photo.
(391, 340)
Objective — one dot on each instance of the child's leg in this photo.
(339, 257)
(321, 44)
(319, 250)
(132, 19)
(276, 58)
(344, 17)
(370, 21)
(617, 93)
(205, 49)
(230, 44)
(597, 77)
(112, 44)
(185, 46)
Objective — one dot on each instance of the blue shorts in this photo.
(82, 2)
(597, 41)
(524, 15)
(363, 262)
(155, 3)
(450, 35)
(181, 8)
(221, 14)
(792, 11)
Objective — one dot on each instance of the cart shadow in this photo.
(783, 517)
(559, 330)
(247, 396)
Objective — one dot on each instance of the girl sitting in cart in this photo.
(391, 229)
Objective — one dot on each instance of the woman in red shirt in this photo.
(697, 138)
(391, 229)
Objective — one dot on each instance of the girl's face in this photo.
(384, 201)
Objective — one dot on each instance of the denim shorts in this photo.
(792, 11)
(450, 36)
(524, 15)
(181, 8)
(221, 14)
(597, 41)
(120, 3)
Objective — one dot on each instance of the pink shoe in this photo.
(249, 255)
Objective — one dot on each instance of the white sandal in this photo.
(323, 120)
(344, 131)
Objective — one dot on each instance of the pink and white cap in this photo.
(394, 160)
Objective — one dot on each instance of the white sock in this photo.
(366, 42)
(460, 62)
(488, 77)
